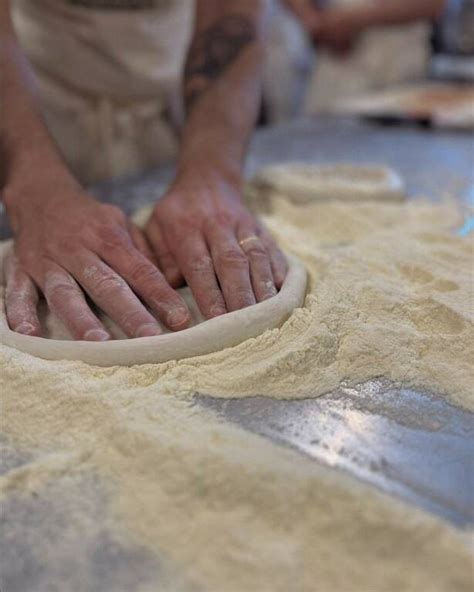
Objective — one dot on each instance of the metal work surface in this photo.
(413, 445)
(407, 443)
(80, 559)
(434, 164)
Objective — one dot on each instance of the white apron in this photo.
(108, 76)
(383, 56)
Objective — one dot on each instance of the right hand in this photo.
(68, 246)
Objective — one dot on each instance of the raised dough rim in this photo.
(248, 323)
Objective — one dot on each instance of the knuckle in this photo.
(58, 289)
(61, 293)
(132, 319)
(231, 257)
(20, 292)
(201, 264)
(144, 272)
(69, 246)
(215, 302)
(242, 293)
(110, 236)
(106, 284)
(256, 251)
(219, 220)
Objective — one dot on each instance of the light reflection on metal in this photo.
(410, 444)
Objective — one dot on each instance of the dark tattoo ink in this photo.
(212, 52)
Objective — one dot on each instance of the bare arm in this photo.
(221, 83)
(25, 141)
(67, 244)
(201, 230)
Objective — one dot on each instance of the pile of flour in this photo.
(390, 295)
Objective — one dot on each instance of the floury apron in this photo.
(108, 74)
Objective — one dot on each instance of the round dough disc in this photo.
(203, 337)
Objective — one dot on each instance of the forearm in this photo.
(25, 142)
(222, 89)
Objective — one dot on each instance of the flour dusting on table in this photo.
(390, 295)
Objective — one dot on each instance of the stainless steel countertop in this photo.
(375, 432)
(434, 163)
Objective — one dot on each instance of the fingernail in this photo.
(25, 328)
(96, 335)
(217, 310)
(148, 330)
(177, 317)
(271, 289)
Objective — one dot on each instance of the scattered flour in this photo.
(390, 295)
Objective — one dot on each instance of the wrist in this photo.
(208, 176)
(45, 183)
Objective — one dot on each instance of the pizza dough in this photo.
(202, 337)
(304, 183)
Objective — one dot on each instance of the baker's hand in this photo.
(201, 233)
(69, 245)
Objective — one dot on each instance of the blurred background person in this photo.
(287, 66)
(358, 46)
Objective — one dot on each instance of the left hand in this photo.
(201, 233)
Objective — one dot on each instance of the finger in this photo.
(232, 268)
(112, 294)
(150, 284)
(260, 266)
(194, 259)
(66, 301)
(141, 243)
(278, 260)
(21, 299)
(166, 261)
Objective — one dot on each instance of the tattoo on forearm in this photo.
(212, 52)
